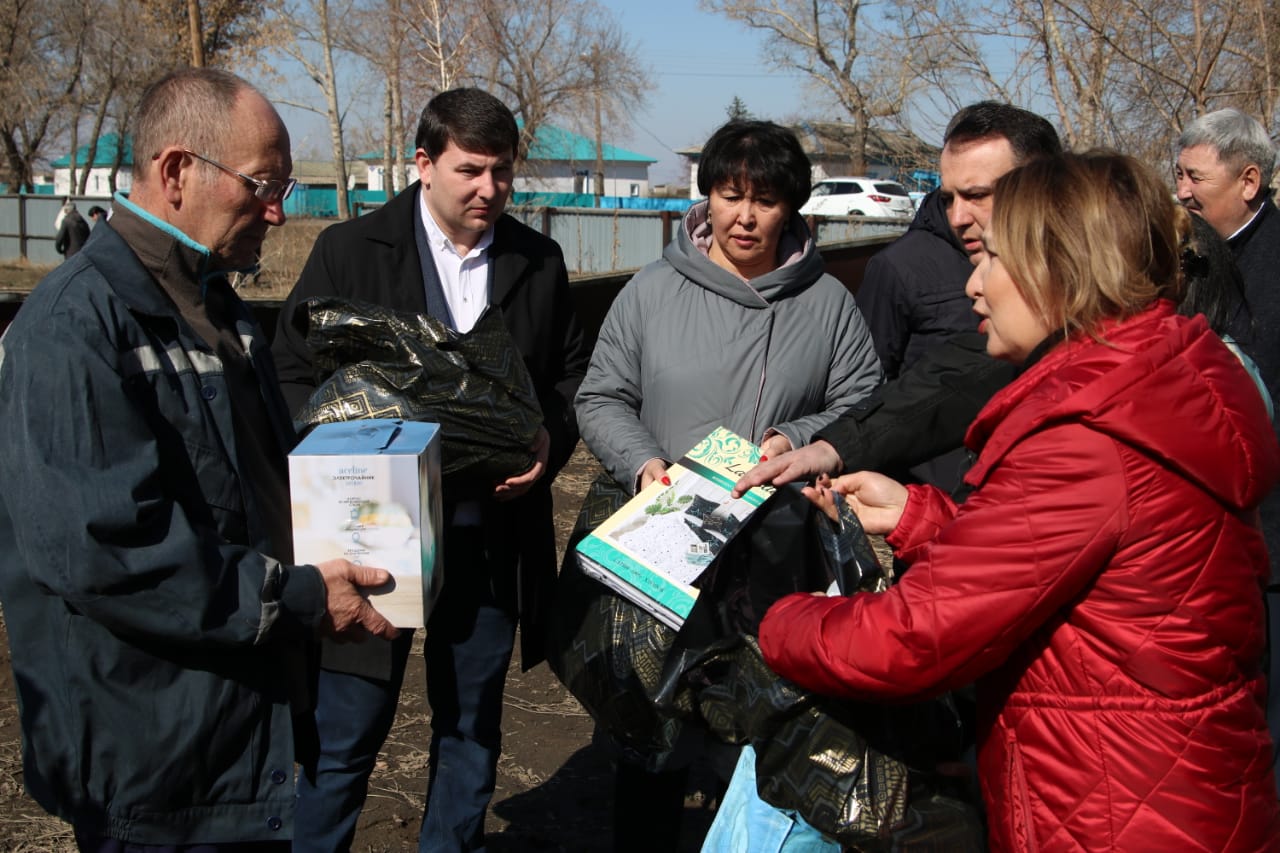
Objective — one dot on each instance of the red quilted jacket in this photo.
(1101, 586)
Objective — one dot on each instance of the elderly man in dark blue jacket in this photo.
(159, 632)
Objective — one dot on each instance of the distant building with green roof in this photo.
(104, 160)
(560, 161)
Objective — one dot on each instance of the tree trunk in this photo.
(75, 143)
(398, 153)
(99, 118)
(19, 166)
(389, 144)
(334, 113)
(195, 27)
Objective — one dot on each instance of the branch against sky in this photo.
(1127, 74)
(550, 59)
(310, 33)
(534, 55)
(834, 46)
(71, 70)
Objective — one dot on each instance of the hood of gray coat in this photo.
(801, 265)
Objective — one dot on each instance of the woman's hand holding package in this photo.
(654, 469)
(877, 500)
(774, 445)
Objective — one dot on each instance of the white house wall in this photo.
(99, 183)
(620, 178)
(377, 175)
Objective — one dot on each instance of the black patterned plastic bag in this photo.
(859, 772)
(854, 771)
(608, 652)
(381, 364)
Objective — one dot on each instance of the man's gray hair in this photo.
(1239, 139)
(189, 107)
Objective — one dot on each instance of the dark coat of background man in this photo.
(73, 231)
(444, 247)
(1224, 168)
(159, 633)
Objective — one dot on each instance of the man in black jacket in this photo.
(912, 294)
(925, 330)
(73, 231)
(1224, 168)
(445, 247)
(1223, 172)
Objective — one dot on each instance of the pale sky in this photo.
(699, 62)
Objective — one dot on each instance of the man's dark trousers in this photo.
(470, 638)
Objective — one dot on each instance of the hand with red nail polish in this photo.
(654, 469)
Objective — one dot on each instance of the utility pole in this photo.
(593, 59)
(195, 25)
(599, 152)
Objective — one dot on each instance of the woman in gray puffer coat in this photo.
(737, 326)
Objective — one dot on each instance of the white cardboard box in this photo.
(369, 491)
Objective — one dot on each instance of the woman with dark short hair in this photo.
(736, 326)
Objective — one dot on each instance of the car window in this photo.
(849, 188)
(890, 188)
(820, 189)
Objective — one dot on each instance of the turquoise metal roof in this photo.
(556, 143)
(105, 156)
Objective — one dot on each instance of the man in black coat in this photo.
(73, 231)
(1224, 168)
(939, 374)
(912, 294)
(1223, 172)
(445, 247)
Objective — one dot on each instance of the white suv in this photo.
(859, 197)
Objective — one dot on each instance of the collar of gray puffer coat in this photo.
(801, 264)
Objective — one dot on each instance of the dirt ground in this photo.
(554, 786)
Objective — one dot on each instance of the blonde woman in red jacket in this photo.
(1102, 585)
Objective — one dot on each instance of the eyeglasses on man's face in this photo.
(268, 192)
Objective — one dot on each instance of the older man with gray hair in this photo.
(1224, 167)
(160, 632)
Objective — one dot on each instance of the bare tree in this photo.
(825, 41)
(533, 54)
(117, 65)
(1068, 47)
(309, 38)
(40, 65)
(442, 40)
(537, 56)
(193, 32)
(389, 31)
(1123, 73)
